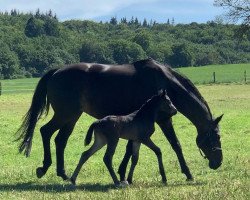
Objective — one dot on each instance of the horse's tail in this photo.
(88, 137)
(39, 106)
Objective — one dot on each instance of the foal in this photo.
(137, 126)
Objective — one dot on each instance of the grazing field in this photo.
(230, 181)
(234, 73)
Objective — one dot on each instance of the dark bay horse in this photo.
(137, 127)
(102, 90)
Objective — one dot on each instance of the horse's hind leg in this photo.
(134, 160)
(47, 131)
(124, 163)
(99, 142)
(149, 143)
(61, 142)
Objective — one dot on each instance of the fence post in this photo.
(0, 88)
(214, 76)
(245, 76)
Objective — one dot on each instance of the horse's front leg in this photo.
(168, 130)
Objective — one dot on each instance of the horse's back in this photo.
(102, 90)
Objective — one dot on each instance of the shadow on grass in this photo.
(61, 188)
(55, 188)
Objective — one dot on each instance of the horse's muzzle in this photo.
(214, 165)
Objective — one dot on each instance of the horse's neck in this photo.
(191, 106)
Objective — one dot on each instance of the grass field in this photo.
(233, 73)
(230, 181)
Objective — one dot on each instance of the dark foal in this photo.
(137, 126)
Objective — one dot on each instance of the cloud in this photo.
(65, 9)
(159, 10)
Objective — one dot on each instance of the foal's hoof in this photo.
(40, 172)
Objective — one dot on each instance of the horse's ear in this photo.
(217, 120)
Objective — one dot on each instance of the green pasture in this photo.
(234, 73)
(230, 181)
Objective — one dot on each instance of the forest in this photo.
(32, 43)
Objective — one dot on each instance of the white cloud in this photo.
(182, 10)
(68, 9)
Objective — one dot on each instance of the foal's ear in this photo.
(160, 92)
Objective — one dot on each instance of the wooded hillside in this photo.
(33, 43)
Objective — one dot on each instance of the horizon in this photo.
(183, 12)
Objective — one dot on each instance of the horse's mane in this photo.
(189, 86)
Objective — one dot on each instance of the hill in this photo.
(33, 43)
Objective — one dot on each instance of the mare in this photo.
(137, 127)
(100, 90)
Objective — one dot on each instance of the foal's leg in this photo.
(47, 131)
(111, 146)
(98, 144)
(124, 163)
(149, 143)
(168, 130)
(134, 160)
(61, 142)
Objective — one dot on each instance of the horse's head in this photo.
(209, 143)
(166, 104)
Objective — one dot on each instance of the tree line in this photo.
(32, 43)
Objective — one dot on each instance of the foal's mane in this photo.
(147, 103)
(189, 86)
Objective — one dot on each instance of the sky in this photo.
(183, 11)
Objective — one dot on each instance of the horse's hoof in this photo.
(39, 172)
(129, 181)
(164, 181)
(73, 181)
(190, 179)
(63, 176)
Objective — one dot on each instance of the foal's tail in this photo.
(88, 137)
(38, 106)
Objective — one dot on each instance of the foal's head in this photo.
(162, 103)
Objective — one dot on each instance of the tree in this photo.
(51, 27)
(9, 65)
(145, 23)
(182, 55)
(92, 51)
(143, 39)
(126, 52)
(113, 21)
(237, 10)
(34, 27)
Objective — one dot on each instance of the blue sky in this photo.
(183, 11)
